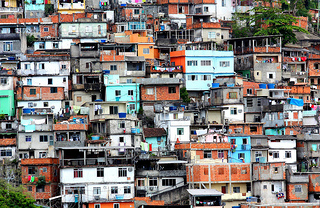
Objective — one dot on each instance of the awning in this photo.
(204, 192)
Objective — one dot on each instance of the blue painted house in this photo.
(122, 92)
(240, 149)
(201, 66)
(156, 138)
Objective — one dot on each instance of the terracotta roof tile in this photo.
(154, 132)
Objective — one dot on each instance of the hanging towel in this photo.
(150, 147)
(142, 146)
(146, 147)
(29, 178)
(25, 122)
(32, 179)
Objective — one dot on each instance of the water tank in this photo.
(262, 86)
(215, 85)
(270, 86)
(122, 115)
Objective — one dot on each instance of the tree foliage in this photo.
(267, 21)
(30, 40)
(184, 95)
(14, 197)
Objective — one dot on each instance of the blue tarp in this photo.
(297, 102)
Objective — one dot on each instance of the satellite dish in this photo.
(208, 85)
(218, 34)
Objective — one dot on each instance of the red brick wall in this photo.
(42, 93)
(162, 93)
(225, 145)
(219, 172)
(292, 195)
(50, 190)
(250, 85)
(52, 30)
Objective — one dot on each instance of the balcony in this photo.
(93, 86)
(273, 108)
(236, 196)
(11, 9)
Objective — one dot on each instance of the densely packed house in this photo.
(123, 104)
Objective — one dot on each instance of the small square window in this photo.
(49, 81)
(130, 92)
(53, 89)
(172, 90)
(46, 29)
(30, 188)
(32, 91)
(180, 131)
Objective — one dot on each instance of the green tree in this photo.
(14, 197)
(266, 21)
(30, 40)
(184, 95)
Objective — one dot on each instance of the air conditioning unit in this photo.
(151, 188)
(130, 169)
(97, 197)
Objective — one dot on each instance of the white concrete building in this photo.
(282, 149)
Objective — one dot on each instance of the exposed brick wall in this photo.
(7, 142)
(246, 128)
(42, 93)
(161, 93)
(295, 197)
(53, 31)
(200, 146)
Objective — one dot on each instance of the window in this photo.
(220, 154)
(127, 190)
(7, 46)
(100, 172)
(41, 66)
(130, 92)
(193, 77)
(172, 90)
(275, 154)
(53, 89)
(224, 189)
(114, 189)
(122, 125)
(233, 111)
(179, 131)
(122, 172)
(116, 205)
(99, 29)
(259, 102)
(241, 156)
(97, 206)
(129, 81)
(244, 170)
(28, 138)
(258, 154)
(192, 63)
(249, 102)
(3, 81)
(205, 63)
(29, 188)
(205, 9)
(140, 182)
(298, 188)
(287, 154)
(32, 170)
(27, 66)
(121, 139)
(43, 138)
(276, 169)
(79, 98)
(132, 106)
(9, 126)
(205, 77)
(253, 128)
(168, 182)
(224, 63)
(149, 91)
(96, 190)
(146, 51)
(56, 45)
(6, 153)
(77, 173)
(270, 75)
(207, 154)
(88, 64)
(233, 95)
(211, 34)
(29, 81)
(272, 187)
(118, 92)
(46, 29)
(265, 187)
(113, 67)
(49, 81)
(42, 154)
(153, 182)
(32, 91)
(51, 140)
(44, 170)
(40, 188)
(45, 104)
(236, 189)
(113, 110)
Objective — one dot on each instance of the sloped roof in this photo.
(154, 132)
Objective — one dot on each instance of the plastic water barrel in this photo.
(270, 86)
(215, 85)
(262, 86)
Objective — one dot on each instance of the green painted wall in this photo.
(7, 102)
